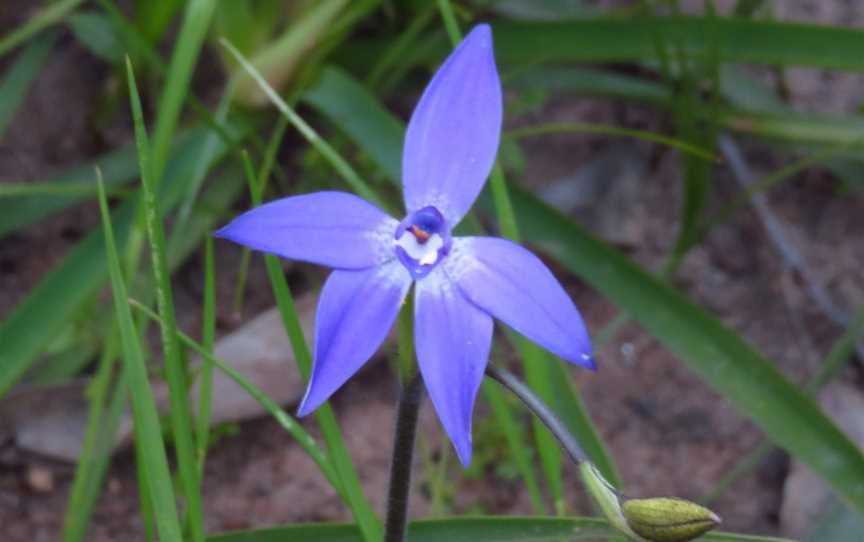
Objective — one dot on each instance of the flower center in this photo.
(421, 241)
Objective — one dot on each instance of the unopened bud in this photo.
(668, 519)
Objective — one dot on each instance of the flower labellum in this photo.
(461, 283)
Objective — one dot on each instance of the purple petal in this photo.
(355, 312)
(453, 134)
(513, 285)
(336, 229)
(453, 339)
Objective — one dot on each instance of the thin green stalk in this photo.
(196, 21)
(540, 410)
(450, 22)
(148, 434)
(769, 181)
(87, 478)
(391, 60)
(175, 370)
(47, 16)
(208, 337)
(327, 151)
(608, 129)
(282, 418)
(516, 442)
(364, 515)
(262, 180)
(19, 77)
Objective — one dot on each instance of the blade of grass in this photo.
(836, 359)
(515, 440)
(147, 431)
(306, 441)
(391, 60)
(611, 130)
(208, 336)
(47, 16)
(119, 167)
(153, 17)
(18, 78)
(78, 276)
(365, 517)
(719, 356)
(103, 418)
(175, 370)
(475, 529)
(263, 179)
(327, 151)
(196, 21)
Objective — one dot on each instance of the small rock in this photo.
(40, 479)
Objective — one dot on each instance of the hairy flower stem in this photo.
(403, 453)
(539, 409)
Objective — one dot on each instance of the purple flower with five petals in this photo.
(461, 283)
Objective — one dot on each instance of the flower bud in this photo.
(668, 519)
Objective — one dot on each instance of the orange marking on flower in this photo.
(421, 235)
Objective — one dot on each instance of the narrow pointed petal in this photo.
(453, 134)
(336, 229)
(513, 285)
(452, 338)
(355, 312)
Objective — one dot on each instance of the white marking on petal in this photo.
(381, 238)
(394, 273)
(424, 253)
(460, 259)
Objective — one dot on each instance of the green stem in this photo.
(539, 409)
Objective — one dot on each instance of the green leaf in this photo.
(190, 39)
(98, 34)
(474, 529)
(18, 78)
(350, 486)
(148, 433)
(45, 17)
(728, 364)
(351, 107)
(175, 370)
(118, 167)
(79, 275)
(616, 39)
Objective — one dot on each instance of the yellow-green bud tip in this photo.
(668, 519)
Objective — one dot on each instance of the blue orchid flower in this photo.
(460, 283)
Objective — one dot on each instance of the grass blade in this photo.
(703, 344)
(327, 151)
(47, 16)
(103, 419)
(369, 524)
(147, 431)
(208, 337)
(196, 21)
(475, 529)
(18, 78)
(287, 422)
(515, 440)
(175, 369)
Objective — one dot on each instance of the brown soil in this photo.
(670, 434)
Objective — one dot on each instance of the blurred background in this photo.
(691, 170)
